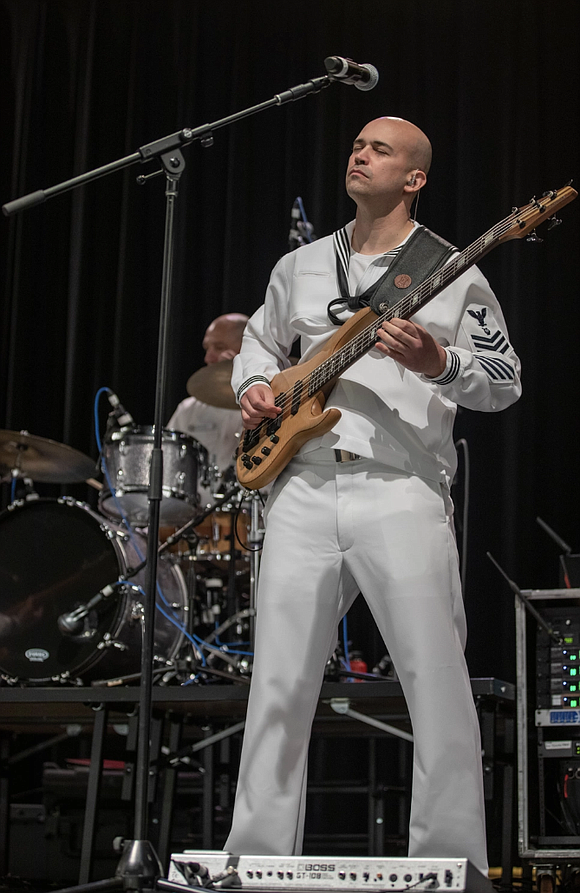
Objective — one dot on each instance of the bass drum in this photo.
(56, 555)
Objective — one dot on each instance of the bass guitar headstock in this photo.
(523, 221)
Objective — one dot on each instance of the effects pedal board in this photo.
(282, 874)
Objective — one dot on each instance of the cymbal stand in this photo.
(16, 476)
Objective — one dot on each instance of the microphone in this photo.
(71, 623)
(294, 235)
(557, 539)
(119, 413)
(364, 77)
(301, 230)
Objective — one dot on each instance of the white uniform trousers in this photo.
(333, 529)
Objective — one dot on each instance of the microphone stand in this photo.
(139, 867)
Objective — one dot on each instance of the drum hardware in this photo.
(188, 528)
(214, 594)
(197, 675)
(212, 609)
(240, 661)
(238, 664)
(195, 521)
(239, 616)
(108, 642)
(158, 673)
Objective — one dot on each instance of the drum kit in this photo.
(71, 578)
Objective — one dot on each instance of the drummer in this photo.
(216, 428)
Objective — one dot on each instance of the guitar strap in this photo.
(421, 255)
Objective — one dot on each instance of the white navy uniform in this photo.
(381, 524)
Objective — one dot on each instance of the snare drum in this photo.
(127, 458)
(55, 555)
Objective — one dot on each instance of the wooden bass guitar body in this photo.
(269, 448)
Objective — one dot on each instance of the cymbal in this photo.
(42, 459)
(211, 384)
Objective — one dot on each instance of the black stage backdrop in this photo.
(494, 84)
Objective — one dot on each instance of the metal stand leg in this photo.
(375, 803)
(156, 737)
(93, 789)
(207, 806)
(507, 823)
(128, 787)
(169, 787)
(4, 803)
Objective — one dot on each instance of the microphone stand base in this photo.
(139, 865)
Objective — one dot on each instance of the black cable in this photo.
(465, 515)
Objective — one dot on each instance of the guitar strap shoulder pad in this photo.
(421, 255)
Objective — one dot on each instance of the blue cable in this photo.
(13, 489)
(228, 646)
(345, 642)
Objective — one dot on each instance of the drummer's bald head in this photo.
(232, 323)
(224, 336)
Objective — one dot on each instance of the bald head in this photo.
(412, 139)
(223, 337)
(388, 166)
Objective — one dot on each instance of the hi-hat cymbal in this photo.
(42, 459)
(211, 384)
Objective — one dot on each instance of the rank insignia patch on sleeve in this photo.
(484, 338)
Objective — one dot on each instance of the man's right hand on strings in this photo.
(257, 403)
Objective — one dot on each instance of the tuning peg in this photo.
(554, 221)
(534, 237)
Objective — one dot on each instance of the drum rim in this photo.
(170, 434)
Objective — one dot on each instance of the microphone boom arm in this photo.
(165, 145)
(553, 634)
